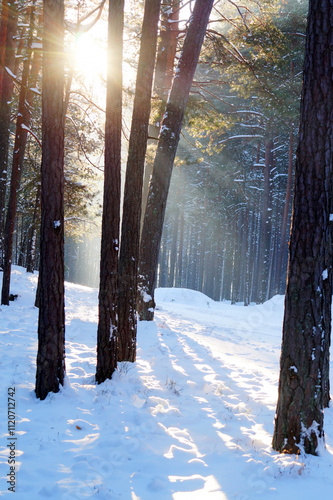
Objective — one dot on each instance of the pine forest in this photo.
(164, 147)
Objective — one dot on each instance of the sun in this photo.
(90, 56)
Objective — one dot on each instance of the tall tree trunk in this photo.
(266, 227)
(5, 104)
(217, 269)
(174, 240)
(3, 39)
(193, 262)
(130, 231)
(202, 242)
(256, 214)
(237, 260)
(164, 71)
(179, 275)
(304, 383)
(283, 241)
(173, 249)
(108, 287)
(22, 122)
(51, 324)
(166, 152)
(248, 240)
(163, 259)
(32, 236)
(166, 53)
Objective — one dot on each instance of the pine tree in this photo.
(51, 324)
(234, 112)
(165, 155)
(9, 18)
(108, 289)
(22, 123)
(130, 233)
(304, 365)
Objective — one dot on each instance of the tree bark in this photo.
(3, 38)
(51, 325)
(10, 20)
(108, 287)
(304, 383)
(165, 155)
(130, 231)
(164, 71)
(22, 121)
(166, 54)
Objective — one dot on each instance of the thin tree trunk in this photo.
(173, 249)
(22, 122)
(108, 287)
(164, 71)
(166, 152)
(217, 269)
(51, 325)
(237, 262)
(283, 241)
(166, 54)
(266, 227)
(255, 247)
(202, 242)
(193, 264)
(5, 106)
(3, 38)
(248, 255)
(163, 259)
(174, 240)
(130, 231)
(179, 274)
(304, 365)
(32, 236)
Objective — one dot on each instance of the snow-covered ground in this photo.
(192, 419)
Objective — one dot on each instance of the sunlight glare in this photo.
(90, 56)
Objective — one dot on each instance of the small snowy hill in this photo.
(192, 419)
(182, 296)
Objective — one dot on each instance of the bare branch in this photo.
(256, 136)
(29, 131)
(81, 146)
(241, 14)
(213, 95)
(70, 219)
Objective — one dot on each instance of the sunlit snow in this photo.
(191, 419)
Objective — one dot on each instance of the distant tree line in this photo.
(229, 209)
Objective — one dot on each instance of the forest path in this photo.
(191, 419)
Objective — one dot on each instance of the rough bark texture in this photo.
(9, 19)
(304, 383)
(165, 155)
(108, 288)
(130, 233)
(51, 324)
(164, 71)
(167, 48)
